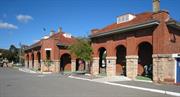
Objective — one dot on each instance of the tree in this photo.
(13, 54)
(82, 49)
(13, 49)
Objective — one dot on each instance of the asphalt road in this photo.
(14, 83)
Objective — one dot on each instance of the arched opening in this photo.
(65, 62)
(80, 65)
(32, 56)
(145, 65)
(27, 58)
(39, 60)
(121, 60)
(102, 60)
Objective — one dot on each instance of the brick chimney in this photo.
(52, 32)
(94, 31)
(60, 29)
(156, 5)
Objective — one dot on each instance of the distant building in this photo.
(3, 51)
(53, 49)
(145, 44)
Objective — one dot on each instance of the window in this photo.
(48, 54)
(125, 18)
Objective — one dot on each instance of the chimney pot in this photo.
(93, 31)
(52, 32)
(60, 29)
(156, 5)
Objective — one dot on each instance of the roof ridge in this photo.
(140, 17)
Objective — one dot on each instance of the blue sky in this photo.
(23, 20)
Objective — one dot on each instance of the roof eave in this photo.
(125, 29)
(174, 24)
(32, 47)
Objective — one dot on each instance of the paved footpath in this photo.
(140, 85)
(172, 88)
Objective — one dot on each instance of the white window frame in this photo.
(48, 49)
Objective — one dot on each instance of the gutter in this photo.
(32, 47)
(174, 24)
(125, 29)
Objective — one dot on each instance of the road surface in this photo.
(14, 83)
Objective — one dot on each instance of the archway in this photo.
(121, 60)
(65, 62)
(39, 60)
(102, 60)
(32, 56)
(145, 65)
(80, 65)
(27, 58)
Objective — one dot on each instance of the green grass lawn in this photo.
(102, 74)
(143, 78)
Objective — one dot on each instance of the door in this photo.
(178, 71)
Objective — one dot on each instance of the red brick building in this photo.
(52, 49)
(145, 44)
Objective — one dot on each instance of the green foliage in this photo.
(47, 63)
(13, 49)
(82, 49)
(143, 78)
(11, 54)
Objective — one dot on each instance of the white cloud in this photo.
(4, 25)
(24, 18)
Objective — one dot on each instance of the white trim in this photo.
(175, 70)
(176, 65)
(95, 58)
(48, 49)
(176, 55)
(113, 57)
(130, 86)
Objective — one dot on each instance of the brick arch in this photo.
(102, 60)
(38, 54)
(143, 41)
(121, 52)
(119, 44)
(145, 51)
(27, 56)
(96, 49)
(27, 59)
(80, 64)
(65, 62)
(102, 47)
(140, 42)
(32, 59)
